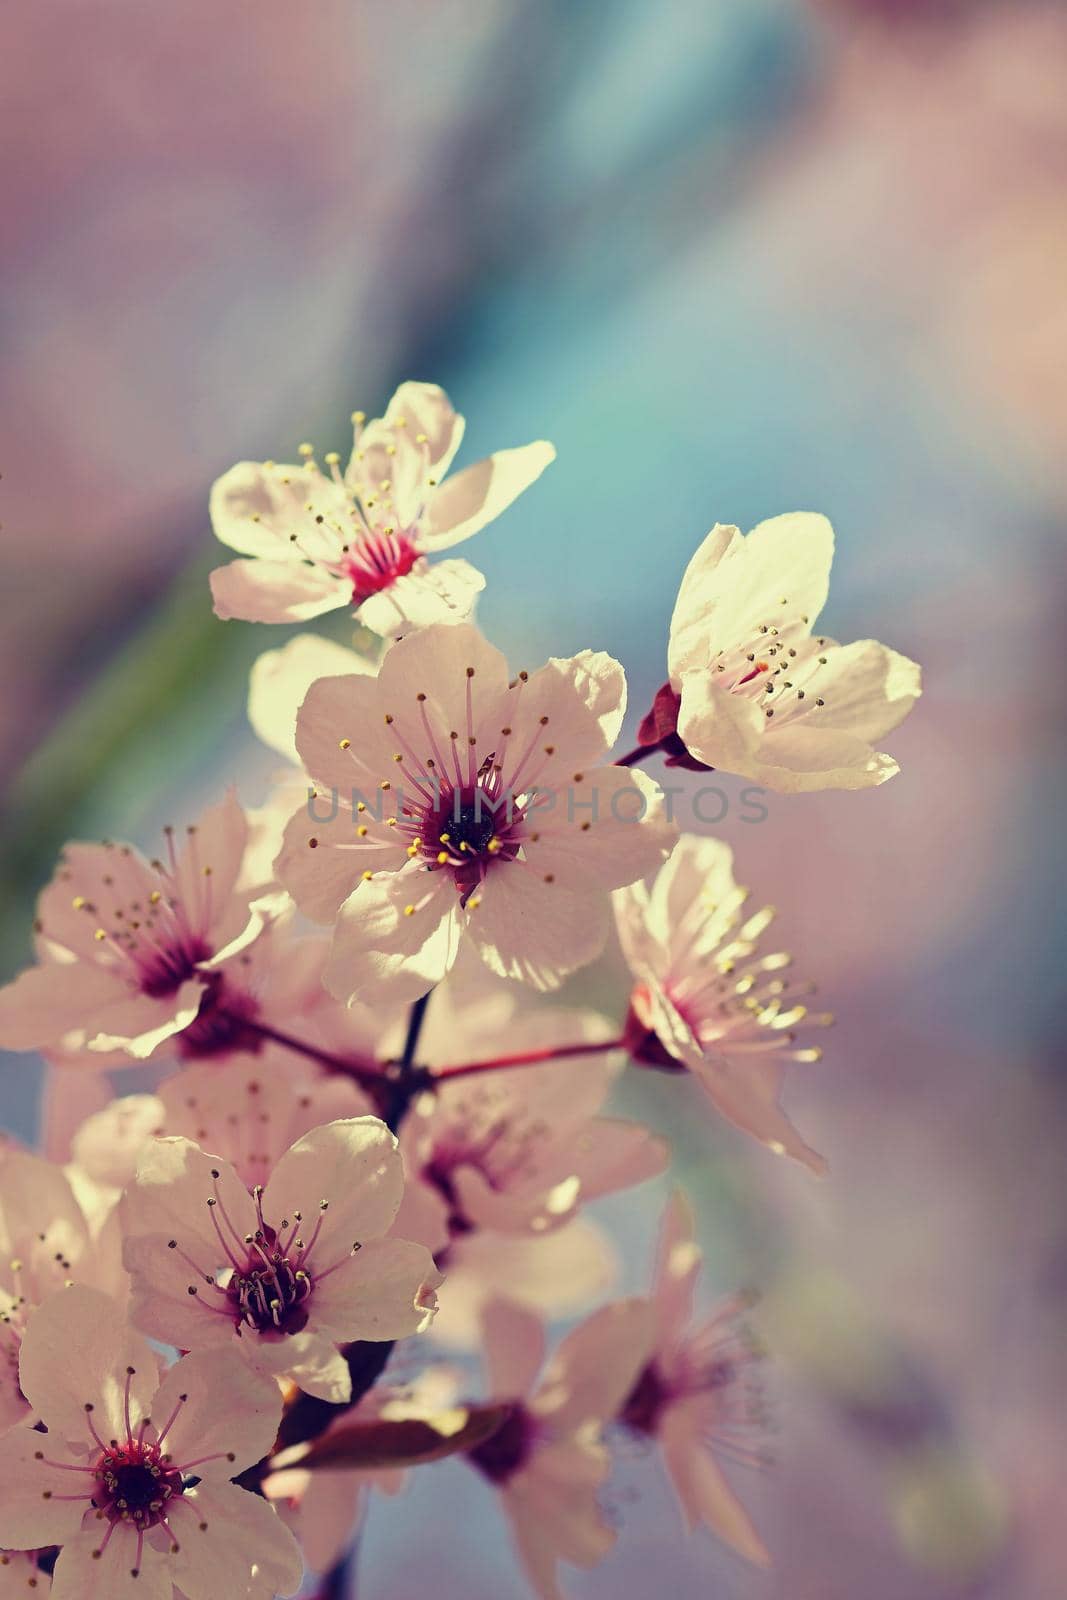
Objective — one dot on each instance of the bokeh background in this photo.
(734, 257)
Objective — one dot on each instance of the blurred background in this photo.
(733, 257)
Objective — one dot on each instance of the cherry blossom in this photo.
(463, 803)
(693, 1395)
(706, 1000)
(548, 1461)
(132, 953)
(133, 1476)
(517, 1152)
(45, 1241)
(287, 1272)
(249, 1114)
(752, 690)
(314, 541)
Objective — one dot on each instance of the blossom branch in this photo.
(367, 1077)
(526, 1058)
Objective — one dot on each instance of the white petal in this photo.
(464, 504)
(280, 679)
(445, 592)
(276, 591)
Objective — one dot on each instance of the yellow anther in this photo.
(346, 744)
(306, 449)
(409, 911)
(363, 830)
(367, 876)
(331, 458)
(442, 857)
(78, 902)
(359, 417)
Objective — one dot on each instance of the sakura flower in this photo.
(287, 1272)
(706, 1000)
(250, 1114)
(547, 1461)
(464, 803)
(752, 691)
(314, 541)
(133, 1476)
(559, 1274)
(44, 1241)
(693, 1396)
(132, 953)
(518, 1151)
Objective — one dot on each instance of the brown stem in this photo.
(367, 1077)
(634, 757)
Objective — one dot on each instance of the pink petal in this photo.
(383, 1291)
(583, 699)
(321, 875)
(538, 932)
(426, 408)
(464, 504)
(175, 1179)
(868, 689)
(349, 708)
(514, 1349)
(706, 1496)
(356, 1166)
(381, 951)
(276, 591)
(230, 1411)
(80, 1576)
(746, 1090)
(27, 1520)
(139, 1024)
(75, 1352)
(446, 664)
(225, 1534)
(108, 1145)
(678, 1262)
(47, 1002)
(596, 1365)
(603, 832)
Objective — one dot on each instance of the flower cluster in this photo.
(361, 1123)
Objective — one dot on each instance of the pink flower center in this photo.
(153, 928)
(465, 828)
(267, 1276)
(377, 561)
(132, 1483)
